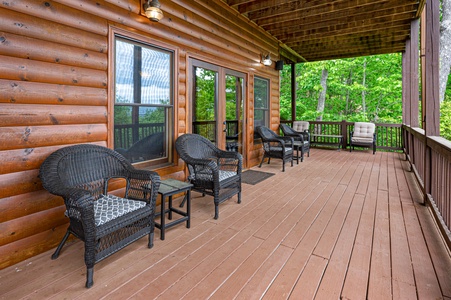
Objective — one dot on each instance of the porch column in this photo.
(293, 92)
(430, 46)
(410, 80)
(406, 89)
(414, 66)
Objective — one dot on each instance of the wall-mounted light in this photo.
(152, 10)
(266, 60)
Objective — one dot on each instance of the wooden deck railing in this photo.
(430, 160)
(128, 134)
(389, 136)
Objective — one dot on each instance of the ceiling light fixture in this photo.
(152, 10)
(266, 60)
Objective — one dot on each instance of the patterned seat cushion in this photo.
(287, 149)
(110, 207)
(223, 175)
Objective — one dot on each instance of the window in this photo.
(261, 102)
(143, 108)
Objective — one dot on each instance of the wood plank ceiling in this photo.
(315, 30)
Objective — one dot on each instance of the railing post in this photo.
(344, 134)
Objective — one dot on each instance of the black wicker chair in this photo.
(302, 137)
(212, 171)
(275, 146)
(104, 222)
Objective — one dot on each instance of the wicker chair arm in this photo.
(80, 205)
(306, 134)
(231, 161)
(140, 182)
(279, 140)
(287, 140)
(299, 135)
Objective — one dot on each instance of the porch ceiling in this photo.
(315, 30)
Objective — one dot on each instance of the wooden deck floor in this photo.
(338, 225)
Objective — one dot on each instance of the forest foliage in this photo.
(367, 89)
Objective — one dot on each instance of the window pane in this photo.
(155, 77)
(261, 93)
(261, 102)
(143, 109)
(124, 72)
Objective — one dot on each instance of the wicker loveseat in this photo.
(104, 222)
(212, 171)
(275, 146)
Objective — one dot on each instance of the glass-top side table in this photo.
(168, 188)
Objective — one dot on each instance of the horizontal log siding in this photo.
(54, 92)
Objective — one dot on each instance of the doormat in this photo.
(254, 177)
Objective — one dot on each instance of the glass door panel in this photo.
(234, 113)
(218, 104)
(204, 103)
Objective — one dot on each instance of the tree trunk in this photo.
(445, 47)
(349, 83)
(322, 95)
(364, 87)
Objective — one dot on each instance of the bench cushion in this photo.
(301, 126)
(364, 130)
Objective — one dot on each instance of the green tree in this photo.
(358, 89)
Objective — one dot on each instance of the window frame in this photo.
(170, 109)
(265, 110)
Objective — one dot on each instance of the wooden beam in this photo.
(347, 27)
(333, 17)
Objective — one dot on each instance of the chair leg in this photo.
(263, 158)
(216, 211)
(151, 235)
(60, 246)
(283, 165)
(239, 197)
(89, 277)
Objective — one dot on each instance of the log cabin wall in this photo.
(55, 91)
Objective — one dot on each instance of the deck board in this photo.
(339, 224)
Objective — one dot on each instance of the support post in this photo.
(430, 42)
(293, 93)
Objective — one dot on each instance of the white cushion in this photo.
(301, 126)
(362, 140)
(364, 130)
(223, 175)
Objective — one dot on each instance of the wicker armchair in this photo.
(302, 137)
(275, 146)
(212, 171)
(104, 222)
(363, 135)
